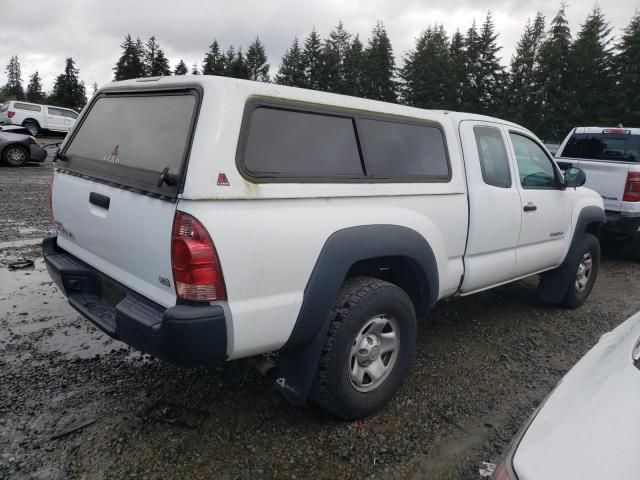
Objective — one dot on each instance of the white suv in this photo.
(35, 117)
(204, 218)
(610, 158)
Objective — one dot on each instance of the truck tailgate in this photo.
(128, 240)
(608, 179)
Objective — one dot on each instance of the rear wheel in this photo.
(15, 156)
(32, 127)
(369, 348)
(586, 272)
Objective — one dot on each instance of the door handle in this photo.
(99, 200)
(530, 207)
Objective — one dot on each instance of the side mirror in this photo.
(574, 177)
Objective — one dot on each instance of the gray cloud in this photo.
(90, 31)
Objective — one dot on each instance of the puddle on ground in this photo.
(32, 309)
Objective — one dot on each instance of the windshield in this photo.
(131, 139)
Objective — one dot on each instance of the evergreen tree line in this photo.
(68, 91)
(554, 81)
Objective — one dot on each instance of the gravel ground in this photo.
(484, 363)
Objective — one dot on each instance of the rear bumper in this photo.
(621, 225)
(182, 335)
(37, 153)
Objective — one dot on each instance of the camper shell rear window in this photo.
(131, 138)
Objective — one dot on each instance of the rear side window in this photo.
(55, 111)
(394, 149)
(601, 146)
(26, 106)
(494, 162)
(299, 144)
(130, 139)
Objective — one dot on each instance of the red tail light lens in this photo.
(197, 274)
(10, 114)
(632, 188)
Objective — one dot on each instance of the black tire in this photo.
(15, 156)
(364, 300)
(578, 292)
(32, 127)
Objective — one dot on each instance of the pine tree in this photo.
(553, 77)
(68, 90)
(379, 67)
(523, 99)
(227, 60)
(627, 70)
(34, 89)
(130, 64)
(213, 62)
(257, 62)
(592, 71)
(489, 73)
(470, 88)
(181, 68)
(155, 61)
(95, 88)
(13, 88)
(426, 71)
(236, 64)
(335, 50)
(292, 67)
(354, 69)
(194, 69)
(313, 61)
(457, 71)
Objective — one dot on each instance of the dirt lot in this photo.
(484, 364)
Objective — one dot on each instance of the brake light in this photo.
(616, 131)
(632, 188)
(197, 274)
(10, 114)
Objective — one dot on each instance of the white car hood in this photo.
(589, 428)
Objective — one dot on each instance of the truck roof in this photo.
(250, 88)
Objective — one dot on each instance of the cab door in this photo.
(546, 206)
(494, 206)
(55, 119)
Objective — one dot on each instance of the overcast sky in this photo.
(91, 31)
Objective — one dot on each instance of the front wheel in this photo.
(586, 271)
(368, 350)
(15, 156)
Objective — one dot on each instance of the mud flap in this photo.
(297, 368)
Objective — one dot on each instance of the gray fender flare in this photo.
(299, 358)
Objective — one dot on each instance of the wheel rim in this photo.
(32, 129)
(16, 156)
(373, 353)
(584, 272)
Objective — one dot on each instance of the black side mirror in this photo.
(574, 177)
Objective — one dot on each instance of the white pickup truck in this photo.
(35, 117)
(202, 219)
(610, 158)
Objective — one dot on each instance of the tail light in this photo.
(10, 114)
(632, 188)
(197, 274)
